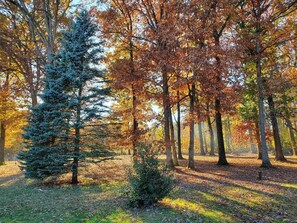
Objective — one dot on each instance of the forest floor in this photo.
(210, 193)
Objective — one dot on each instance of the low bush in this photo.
(149, 181)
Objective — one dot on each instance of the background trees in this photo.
(28, 37)
(173, 65)
(217, 45)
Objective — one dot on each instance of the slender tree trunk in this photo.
(179, 149)
(33, 95)
(201, 143)
(221, 148)
(218, 117)
(174, 154)
(252, 145)
(211, 136)
(75, 157)
(292, 136)
(219, 126)
(166, 110)
(2, 125)
(2, 142)
(77, 128)
(49, 28)
(191, 163)
(265, 157)
(277, 141)
(228, 135)
(135, 123)
(258, 140)
(134, 98)
(204, 139)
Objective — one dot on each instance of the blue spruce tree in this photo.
(81, 54)
(73, 97)
(47, 134)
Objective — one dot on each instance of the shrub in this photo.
(149, 181)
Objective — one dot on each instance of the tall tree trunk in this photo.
(277, 141)
(2, 125)
(204, 139)
(191, 163)
(179, 149)
(228, 135)
(252, 145)
(134, 99)
(33, 93)
(49, 30)
(76, 152)
(218, 117)
(220, 137)
(166, 110)
(211, 136)
(258, 140)
(173, 147)
(292, 136)
(135, 122)
(2, 142)
(75, 157)
(265, 157)
(201, 143)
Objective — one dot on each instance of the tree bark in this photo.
(218, 117)
(258, 140)
(135, 123)
(77, 128)
(2, 142)
(33, 98)
(204, 139)
(265, 158)
(191, 163)
(212, 144)
(228, 135)
(134, 98)
(179, 149)
(49, 30)
(75, 157)
(292, 136)
(173, 147)
(252, 145)
(166, 111)
(201, 143)
(279, 155)
(220, 137)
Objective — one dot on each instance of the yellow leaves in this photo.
(12, 117)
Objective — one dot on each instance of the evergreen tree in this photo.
(149, 181)
(73, 96)
(47, 134)
(80, 53)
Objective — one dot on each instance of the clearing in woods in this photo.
(210, 193)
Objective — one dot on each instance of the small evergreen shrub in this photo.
(149, 181)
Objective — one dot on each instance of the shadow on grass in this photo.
(240, 202)
(27, 202)
(234, 196)
(8, 180)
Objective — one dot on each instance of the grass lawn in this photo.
(208, 194)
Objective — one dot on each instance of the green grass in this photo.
(193, 200)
